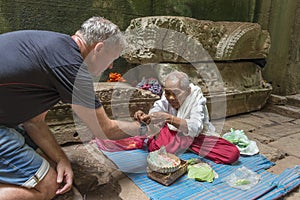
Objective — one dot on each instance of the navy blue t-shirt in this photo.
(38, 69)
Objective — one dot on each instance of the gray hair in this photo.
(180, 77)
(99, 29)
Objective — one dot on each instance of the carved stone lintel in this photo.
(182, 39)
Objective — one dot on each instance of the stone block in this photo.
(157, 39)
(238, 102)
(286, 110)
(93, 172)
(277, 100)
(293, 100)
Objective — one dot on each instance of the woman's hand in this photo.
(142, 117)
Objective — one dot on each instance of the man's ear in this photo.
(99, 46)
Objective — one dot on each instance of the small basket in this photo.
(165, 170)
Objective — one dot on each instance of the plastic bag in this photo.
(238, 137)
(243, 178)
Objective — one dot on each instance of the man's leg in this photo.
(23, 173)
(44, 190)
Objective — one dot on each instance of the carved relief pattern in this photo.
(155, 39)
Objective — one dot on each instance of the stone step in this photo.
(286, 110)
(293, 100)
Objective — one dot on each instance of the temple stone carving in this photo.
(182, 39)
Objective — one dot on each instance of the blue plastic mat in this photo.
(271, 186)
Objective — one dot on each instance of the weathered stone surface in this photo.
(277, 100)
(233, 122)
(93, 172)
(294, 100)
(73, 194)
(182, 39)
(256, 121)
(258, 137)
(271, 116)
(282, 164)
(279, 131)
(289, 144)
(237, 102)
(290, 111)
(294, 195)
(130, 190)
(269, 152)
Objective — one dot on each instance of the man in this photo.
(38, 69)
(184, 119)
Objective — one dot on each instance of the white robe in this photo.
(193, 110)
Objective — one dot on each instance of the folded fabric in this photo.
(130, 143)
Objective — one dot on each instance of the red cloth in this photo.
(214, 148)
(130, 143)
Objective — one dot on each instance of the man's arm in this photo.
(40, 133)
(102, 126)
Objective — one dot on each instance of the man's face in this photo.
(174, 94)
(101, 59)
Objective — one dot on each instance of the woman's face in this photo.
(174, 94)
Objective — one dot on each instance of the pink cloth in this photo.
(130, 143)
(214, 148)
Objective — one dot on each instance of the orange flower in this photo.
(115, 77)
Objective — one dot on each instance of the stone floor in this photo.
(277, 136)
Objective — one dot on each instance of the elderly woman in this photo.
(183, 116)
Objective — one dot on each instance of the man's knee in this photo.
(48, 185)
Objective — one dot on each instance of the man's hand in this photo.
(64, 176)
(142, 117)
